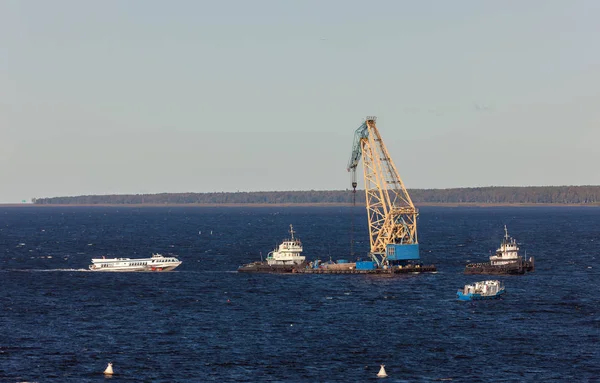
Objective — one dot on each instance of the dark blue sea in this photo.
(204, 322)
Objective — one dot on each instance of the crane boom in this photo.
(391, 214)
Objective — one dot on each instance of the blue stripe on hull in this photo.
(477, 297)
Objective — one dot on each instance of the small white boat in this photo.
(490, 289)
(156, 263)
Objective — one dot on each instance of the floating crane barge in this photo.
(394, 248)
(391, 213)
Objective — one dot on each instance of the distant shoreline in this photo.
(480, 196)
(324, 204)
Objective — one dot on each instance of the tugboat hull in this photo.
(264, 267)
(517, 268)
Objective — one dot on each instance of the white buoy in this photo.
(109, 370)
(382, 373)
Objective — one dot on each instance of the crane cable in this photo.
(354, 184)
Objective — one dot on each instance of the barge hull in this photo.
(395, 270)
(302, 269)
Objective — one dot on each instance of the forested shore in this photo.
(493, 195)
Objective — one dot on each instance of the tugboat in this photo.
(491, 289)
(287, 258)
(506, 260)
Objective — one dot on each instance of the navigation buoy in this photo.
(109, 370)
(382, 373)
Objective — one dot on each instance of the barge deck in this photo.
(393, 270)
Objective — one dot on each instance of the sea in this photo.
(204, 322)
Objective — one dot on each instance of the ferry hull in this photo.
(134, 269)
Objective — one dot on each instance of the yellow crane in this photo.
(391, 213)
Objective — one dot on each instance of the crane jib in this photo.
(361, 133)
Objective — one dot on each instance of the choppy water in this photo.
(205, 322)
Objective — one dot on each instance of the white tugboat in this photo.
(284, 259)
(506, 260)
(288, 253)
(156, 263)
(490, 289)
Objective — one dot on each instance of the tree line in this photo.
(585, 195)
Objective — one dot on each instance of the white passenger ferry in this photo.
(156, 263)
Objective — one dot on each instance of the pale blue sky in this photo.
(146, 96)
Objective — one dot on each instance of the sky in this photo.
(146, 96)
